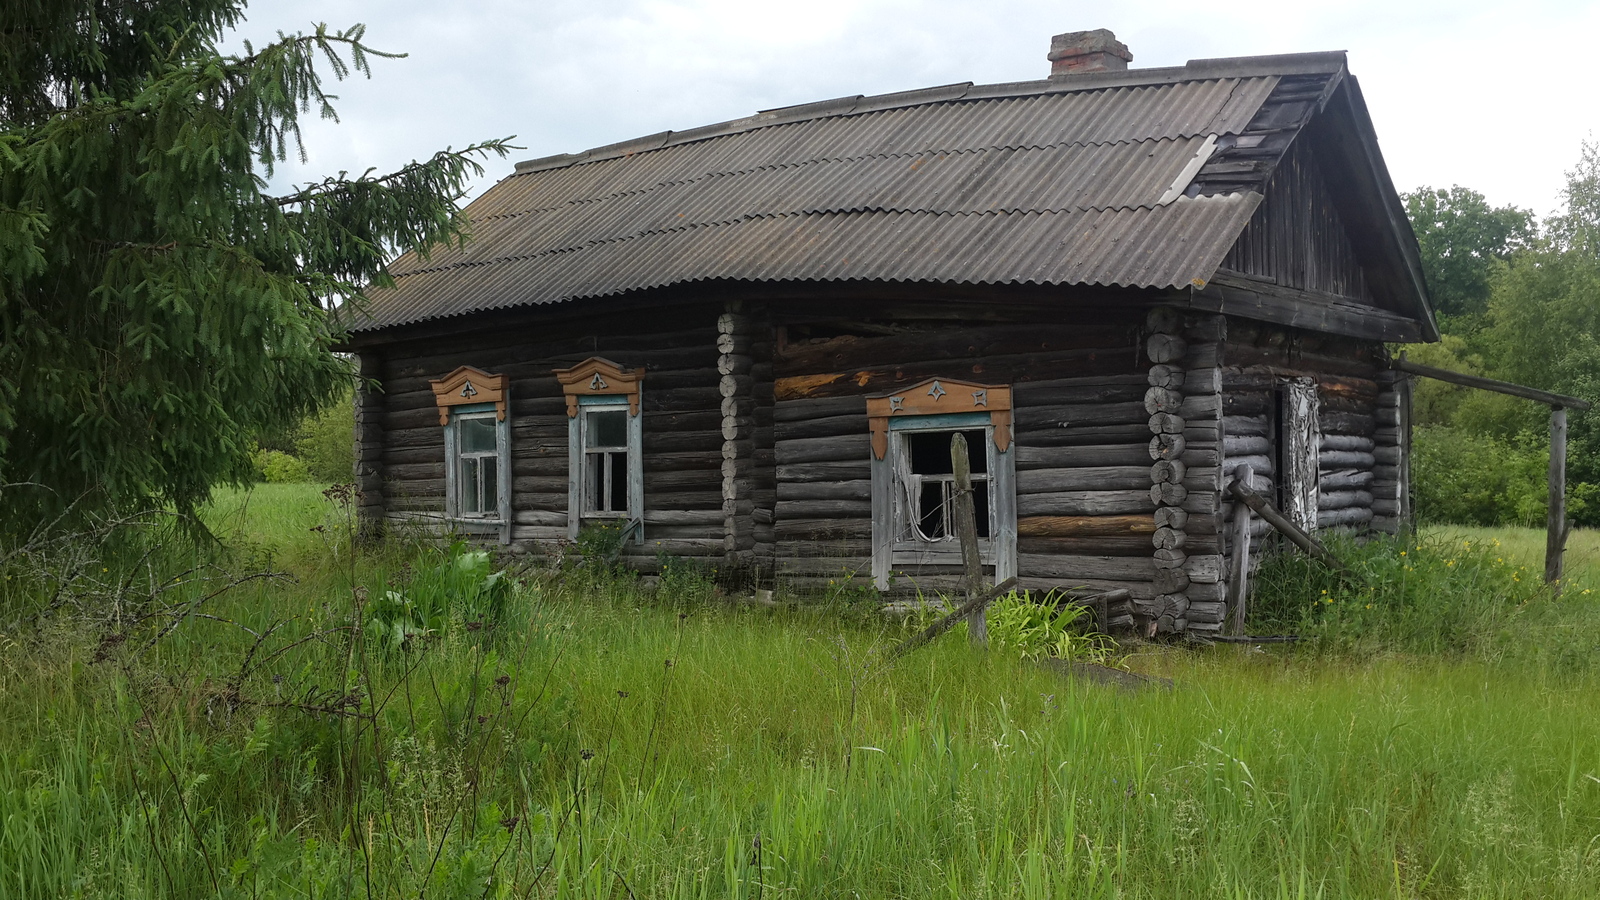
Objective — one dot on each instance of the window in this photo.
(913, 482)
(477, 465)
(605, 460)
(605, 464)
(477, 447)
(929, 483)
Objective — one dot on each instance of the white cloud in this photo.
(1494, 96)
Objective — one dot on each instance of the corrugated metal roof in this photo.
(1044, 184)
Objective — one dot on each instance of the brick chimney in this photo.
(1087, 51)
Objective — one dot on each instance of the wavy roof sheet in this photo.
(1041, 182)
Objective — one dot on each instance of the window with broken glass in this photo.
(927, 481)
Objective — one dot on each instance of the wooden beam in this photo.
(1490, 384)
(1236, 294)
(973, 606)
(1288, 529)
(1556, 519)
(1238, 585)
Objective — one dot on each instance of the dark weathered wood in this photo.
(1239, 574)
(967, 533)
(1086, 526)
(1094, 455)
(1104, 545)
(1556, 518)
(1165, 348)
(1084, 503)
(1167, 446)
(1490, 384)
(1102, 478)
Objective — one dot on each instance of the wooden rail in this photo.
(1556, 525)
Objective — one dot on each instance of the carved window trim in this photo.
(941, 396)
(468, 386)
(593, 386)
(940, 405)
(600, 377)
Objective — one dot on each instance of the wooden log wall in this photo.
(369, 443)
(682, 428)
(1184, 403)
(744, 369)
(1079, 431)
(1358, 455)
(1388, 481)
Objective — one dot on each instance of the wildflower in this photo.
(1402, 553)
(1369, 606)
(1451, 563)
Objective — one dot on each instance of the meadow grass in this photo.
(598, 741)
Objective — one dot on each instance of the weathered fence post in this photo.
(967, 532)
(1556, 518)
(1238, 587)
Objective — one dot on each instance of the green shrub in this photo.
(463, 586)
(277, 467)
(326, 442)
(1036, 628)
(1465, 477)
(1433, 595)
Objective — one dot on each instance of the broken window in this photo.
(605, 461)
(928, 479)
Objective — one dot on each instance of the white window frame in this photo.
(498, 519)
(897, 541)
(579, 462)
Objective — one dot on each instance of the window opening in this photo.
(478, 465)
(930, 483)
(605, 462)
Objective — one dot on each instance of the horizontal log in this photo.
(1344, 518)
(800, 473)
(947, 343)
(1261, 464)
(1119, 545)
(1008, 369)
(1030, 457)
(1138, 590)
(1168, 581)
(1165, 348)
(1083, 436)
(1073, 568)
(1346, 442)
(835, 449)
(1343, 499)
(801, 410)
(794, 528)
(1206, 611)
(1098, 478)
(1086, 526)
(1386, 456)
(1079, 415)
(1079, 392)
(830, 490)
(1344, 459)
(1203, 406)
(1344, 479)
(826, 426)
(1347, 423)
(1234, 426)
(1165, 494)
(1084, 503)
(823, 509)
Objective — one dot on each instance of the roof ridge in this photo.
(1194, 70)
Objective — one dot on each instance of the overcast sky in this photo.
(1496, 96)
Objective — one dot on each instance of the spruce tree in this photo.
(159, 307)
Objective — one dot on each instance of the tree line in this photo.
(1518, 299)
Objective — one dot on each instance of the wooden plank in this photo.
(1236, 294)
(1490, 384)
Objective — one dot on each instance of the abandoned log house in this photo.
(748, 343)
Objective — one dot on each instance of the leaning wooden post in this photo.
(1238, 586)
(1556, 519)
(967, 532)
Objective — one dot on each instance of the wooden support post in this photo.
(1238, 587)
(967, 531)
(1287, 528)
(1403, 386)
(1556, 518)
(975, 605)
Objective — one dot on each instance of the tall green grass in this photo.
(595, 741)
